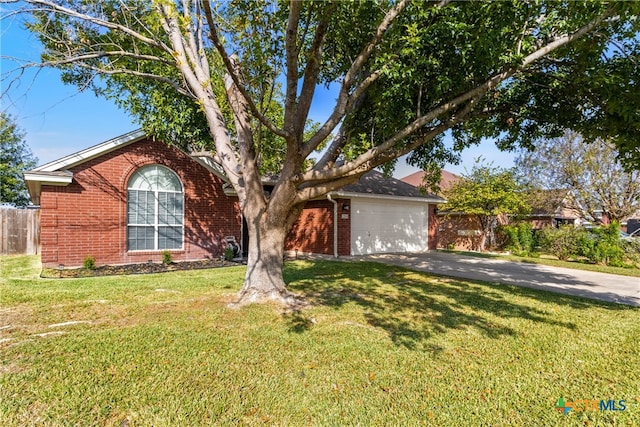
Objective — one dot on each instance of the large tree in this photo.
(15, 158)
(485, 193)
(591, 169)
(238, 78)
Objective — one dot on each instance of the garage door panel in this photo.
(379, 226)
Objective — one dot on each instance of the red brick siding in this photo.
(433, 227)
(313, 231)
(89, 217)
(458, 232)
(539, 223)
(462, 232)
(344, 227)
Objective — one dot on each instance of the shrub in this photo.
(563, 242)
(519, 238)
(603, 246)
(166, 257)
(229, 253)
(89, 262)
(600, 245)
(631, 250)
(527, 237)
(508, 237)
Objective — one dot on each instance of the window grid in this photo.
(155, 215)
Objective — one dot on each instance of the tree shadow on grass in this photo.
(412, 307)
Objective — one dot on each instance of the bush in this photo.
(229, 253)
(166, 257)
(631, 250)
(600, 245)
(563, 242)
(89, 262)
(603, 246)
(507, 235)
(519, 238)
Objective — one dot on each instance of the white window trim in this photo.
(156, 226)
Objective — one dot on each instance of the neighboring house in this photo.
(553, 208)
(459, 231)
(456, 230)
(130, 198)
(632, 225)
(447, 179)
(462, 232)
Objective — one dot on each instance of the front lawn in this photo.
(379, 345)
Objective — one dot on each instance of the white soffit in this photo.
(91, 152)
(348, 194)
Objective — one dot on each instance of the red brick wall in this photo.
(462, 232)
(313, 231)
(459, 232)
(89, 217)
(433, 227)
(344, 227)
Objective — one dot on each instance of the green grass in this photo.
(553, 261)
(378, 345)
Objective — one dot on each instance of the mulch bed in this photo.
(145, 268)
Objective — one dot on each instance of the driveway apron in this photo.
(587, 284)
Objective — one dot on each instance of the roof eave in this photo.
(210, 164)
(91, 152)
(349, 194)
(35, 180)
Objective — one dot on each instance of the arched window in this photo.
(155, 209)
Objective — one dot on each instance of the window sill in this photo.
(156, 251)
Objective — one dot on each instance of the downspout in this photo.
(335, 225)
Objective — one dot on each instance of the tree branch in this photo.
(102, 54)
(291, 49)
(472, 95)
(365, 54)
(200, 83)
(49, 6)
(312, 70)
(213, 35)
(345, 97)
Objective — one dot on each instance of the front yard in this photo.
(378, 345)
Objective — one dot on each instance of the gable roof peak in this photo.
(92, 152)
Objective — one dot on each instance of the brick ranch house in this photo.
(130, 198)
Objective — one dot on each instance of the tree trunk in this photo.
(264, 280)
(485, 222)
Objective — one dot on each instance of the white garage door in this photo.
(379, 226)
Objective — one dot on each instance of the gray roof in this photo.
(376, 183)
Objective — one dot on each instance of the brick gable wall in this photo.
(89, 216)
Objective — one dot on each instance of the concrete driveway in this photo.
(600, 286)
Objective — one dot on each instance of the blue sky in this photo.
(59, 120)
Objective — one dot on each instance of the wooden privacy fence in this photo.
(19, 231)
